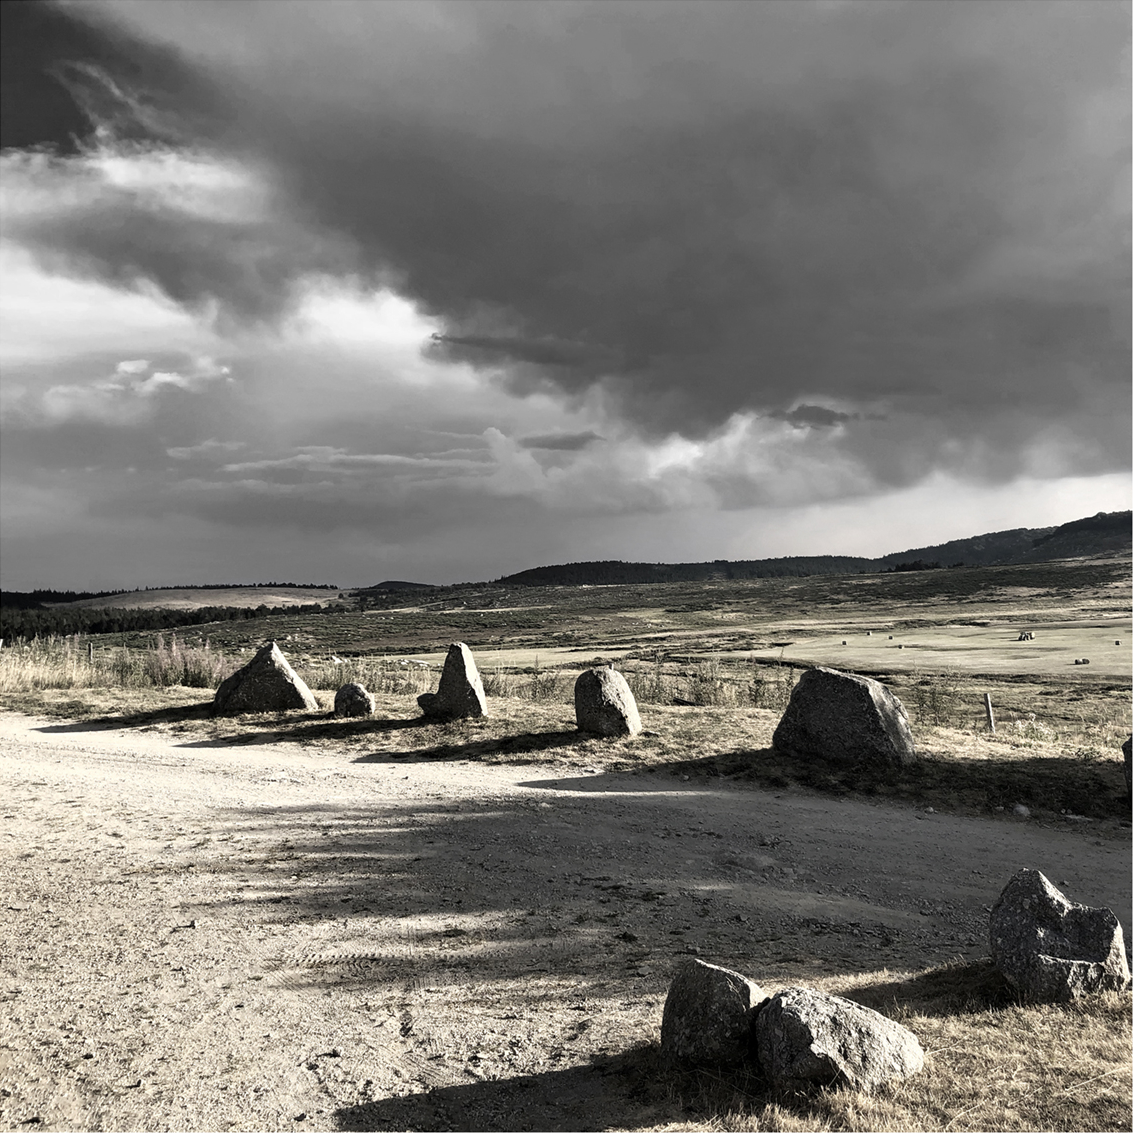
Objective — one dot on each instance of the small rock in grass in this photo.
(805, 1035)
(353, 700)
(1051, 949)
(708, 1015)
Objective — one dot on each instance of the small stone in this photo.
(1020, 811)
(353, 700)
(708, 1015)
(1051, 949)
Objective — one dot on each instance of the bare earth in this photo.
(202, 936)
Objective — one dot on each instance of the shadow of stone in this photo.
(614, 1093)
(178, 715)
(1041, 782)
(951, 989)
(528, 743)
(321, 726)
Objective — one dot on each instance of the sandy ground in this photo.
(202, 936)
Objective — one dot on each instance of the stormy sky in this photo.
(345, 291)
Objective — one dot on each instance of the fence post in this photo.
(90, 652)
(990, 713)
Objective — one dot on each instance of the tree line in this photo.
(61, 621)
(617, 573)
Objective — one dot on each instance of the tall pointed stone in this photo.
(461, 692)
(267, 683)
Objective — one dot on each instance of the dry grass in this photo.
(66, 663)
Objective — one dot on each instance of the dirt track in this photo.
(201, 936)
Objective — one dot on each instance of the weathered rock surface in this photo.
(461, 692)
(353, 700)
(804, 1035)
(844, 718)
(604, 704)
(1051, 949)
(709, 1013)
(267, 683)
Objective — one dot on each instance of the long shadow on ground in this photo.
(1046, 783)
(321, 727)
(611, 1093)
(528, 743)
(177, 715)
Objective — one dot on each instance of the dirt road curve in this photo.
(201, 936)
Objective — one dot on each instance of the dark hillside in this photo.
(617, 573)
(1104, 533)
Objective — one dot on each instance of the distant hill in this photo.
(615, 573)
(1104, 533)
(391, 585)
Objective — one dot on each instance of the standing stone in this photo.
(846, 719)
(1051, 949)
(804, 1035)
(604, 704)
(461, 692)
(353, 700)
(709, 1013)
(267, 683)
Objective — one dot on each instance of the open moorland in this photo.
(292, 921)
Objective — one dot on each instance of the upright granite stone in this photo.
(803, 1035)
(709, 1013)
(1051, 949)
(267, 683)
(846, 719)
(604, 704)
(353, 700)
(461, 692)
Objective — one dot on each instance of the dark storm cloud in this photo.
(541, 352)
(804, 416)
(562, 442)
(910, 209)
